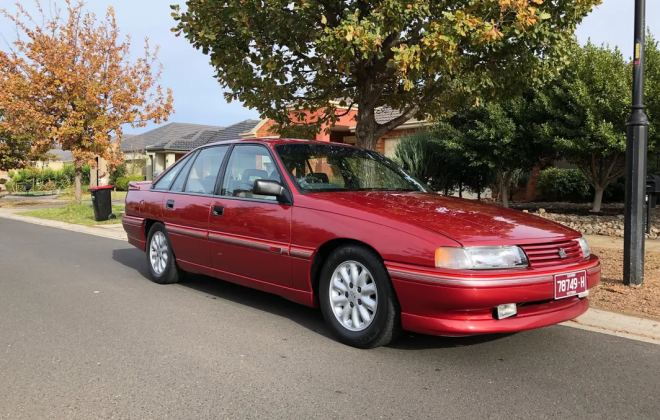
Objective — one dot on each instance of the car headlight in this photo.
(586, 251)
(481, 257)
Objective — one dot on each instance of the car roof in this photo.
(275, 141)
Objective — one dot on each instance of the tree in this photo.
(423, 157)
(586, 109)
(501, 136)
(652, 91)
(418, 56)
(14, 151)
(433, 160)
(70, 81)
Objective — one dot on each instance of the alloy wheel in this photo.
(158, 252)
(353, 296)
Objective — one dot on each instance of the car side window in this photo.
(177, 186)
(204, 172)
(247, 164)
(165, 181)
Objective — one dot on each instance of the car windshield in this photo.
(320, 167)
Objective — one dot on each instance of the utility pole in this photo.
(636, 146)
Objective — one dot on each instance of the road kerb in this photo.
(619, 325)
(98, 231)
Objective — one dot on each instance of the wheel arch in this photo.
(148, 223)
(321, 255)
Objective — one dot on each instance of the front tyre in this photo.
(357, 298)
(161, 261)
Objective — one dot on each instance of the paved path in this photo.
(85, 335)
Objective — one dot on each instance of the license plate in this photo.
(570, 284)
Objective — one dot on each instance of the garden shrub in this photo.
(119, 172)
(563, 185)
(38, 178)
(122, 182)
(616, 191)
(3, 181)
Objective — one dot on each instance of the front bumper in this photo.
(442, 303)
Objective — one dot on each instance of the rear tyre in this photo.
(357, 298)
(160, 258)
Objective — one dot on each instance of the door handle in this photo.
(169, 204)
(218, 211)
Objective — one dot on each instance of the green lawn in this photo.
(86, 196)
(79, 214)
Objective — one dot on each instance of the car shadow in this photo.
(304, 316)
(414, 341)
(307, 317)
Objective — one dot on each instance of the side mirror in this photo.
(272, 188)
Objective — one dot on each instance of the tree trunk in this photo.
(365, 129)
(78, 184)
(598, 199)
(504, 181)
(504, 190)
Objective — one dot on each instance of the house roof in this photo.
(234, 131)
(62, 155)
(385, 114)
(185, 137)
(174, 136)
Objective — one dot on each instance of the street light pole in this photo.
(636, 145)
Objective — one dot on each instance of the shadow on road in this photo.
(132, 258)
(309, 318)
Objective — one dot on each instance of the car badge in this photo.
(562, 253)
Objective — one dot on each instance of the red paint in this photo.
(190, 217)
(271, 246)
(256, 227)
(102, 187)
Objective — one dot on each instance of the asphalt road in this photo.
(84, 334)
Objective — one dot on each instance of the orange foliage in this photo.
(70, 81)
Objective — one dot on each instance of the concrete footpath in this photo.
(594, 320)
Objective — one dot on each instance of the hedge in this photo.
(122, 182)
(563, 185)
(46, 179)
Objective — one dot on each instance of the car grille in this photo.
(545, 255)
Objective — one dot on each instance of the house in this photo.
(171, 142)
(165, 145)
(58, 159)
(344, 129)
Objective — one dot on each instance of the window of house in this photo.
(247, 164)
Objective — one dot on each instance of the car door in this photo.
(249, 235)
(186, 205)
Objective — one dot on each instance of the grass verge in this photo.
(79, 214)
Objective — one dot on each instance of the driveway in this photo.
(84, 334)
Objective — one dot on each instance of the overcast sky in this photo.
(198, 96)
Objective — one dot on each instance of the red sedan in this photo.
(347, 230)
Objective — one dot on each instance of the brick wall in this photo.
(267, 130)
